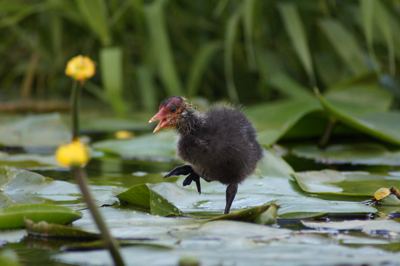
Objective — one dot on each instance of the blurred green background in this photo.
(246, 51)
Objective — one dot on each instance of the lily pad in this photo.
(46, 230)
(22, 186)
(366, 226)
(343, 183)
(273, 120)
(355, 154)
(31, 161)
(253, 192)
(14, 216)
(8, 258)
(365, 110)
(35, 131)
(150, 147)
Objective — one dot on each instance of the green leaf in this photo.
(250, 215)
(21, 186)
(289, 87)
(8, 258)
(148, 90)
(365, 117)
(28, 160)
(112, 77)
(345, 44)
(161, 49)
(28, 131)
(355, 154)
(229, 45)
(367, 15)
(273, 120)
(46, 230)
(366, 226)
(14, 216)
(256, 191)
(143, 197)
(249, 8)
(297, 34)
(153, 147)
(199, 66)
(343, 183)
(95, 14)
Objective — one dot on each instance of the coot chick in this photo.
(219, 145)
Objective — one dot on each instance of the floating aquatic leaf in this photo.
(343, 183)
(152, 147)
(28, 131)
(362, 153)
(14, 216)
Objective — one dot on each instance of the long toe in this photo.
(180, 170)
(187, 181)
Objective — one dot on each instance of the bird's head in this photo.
(169, 112)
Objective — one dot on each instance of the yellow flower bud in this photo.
(80, 68)
(74, 154)
(381, 193)
(123, 134)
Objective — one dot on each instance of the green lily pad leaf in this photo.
(249, 215)
(255, 191)
(46, 230)
(273, 120)
(14, 216)
(365, 111)
(29, 131)
(31, 161)
(143, 197)
(343, 183)
(273, 165)
(366, 226)
(151, 147)
(8, 258)
(22, 186)
(356, 154)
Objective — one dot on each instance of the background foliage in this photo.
(248, 51)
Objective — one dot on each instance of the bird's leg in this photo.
(180, 170)
(230, 196)
(186, 170)
(193, 177)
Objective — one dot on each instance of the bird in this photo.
(217, 145)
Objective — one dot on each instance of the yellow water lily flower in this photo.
(74, 154)
(80, 68)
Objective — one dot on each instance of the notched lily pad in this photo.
(343, 183)
(14, 216)
(251, 214)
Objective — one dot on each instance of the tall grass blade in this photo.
(199, 66)
(249, 7)
(367, 15)
(112, 77)
(95, 14)
(230, 37)
(345, 45)
(147, 88)
(161, 47)
(297, 34)
(383, 21)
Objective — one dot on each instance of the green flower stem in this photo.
(109, 241)
(75, 110)
(327, 133)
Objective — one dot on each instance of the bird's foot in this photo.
(180, 170)
(186, 170)
(230, 196)
(193, 177)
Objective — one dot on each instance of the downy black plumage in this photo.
(218, 145)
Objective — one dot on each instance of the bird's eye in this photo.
(173, 108)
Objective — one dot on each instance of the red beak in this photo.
(162, 117)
